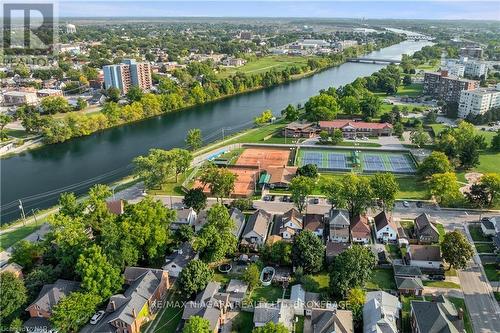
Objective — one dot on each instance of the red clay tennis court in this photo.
(244, 184)
(266, 157)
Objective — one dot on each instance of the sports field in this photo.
(265, 64)
(368, 161)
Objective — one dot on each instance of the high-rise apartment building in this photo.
(128, 73)
(478, 101)
(447, 88)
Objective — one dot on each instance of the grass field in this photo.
(320, 157)
(382, 279)
(266, 64)
(492, 272)
(243, 322)
(411, 90)
(441, 231)
(270, 293)
(405, 312)
(460, 303)
(316, 283)
(9, 238)
(477, 234)
(484, 247)
(441, 284)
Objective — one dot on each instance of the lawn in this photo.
(270, 293)
(492, 272)
(358, 144)
(460, 303)
(316, 283)
(441, 284)
(243, 322)
(299, 326)
(477, 234)
(441, 231)
(393, 250)
(168, 318)
(497, 295)
(382, 279)
(19, 134)
(484, 247)
(265, 64)
(405, 312)
(10, 238)
(260, 134)
(414, 89)
(172, 187)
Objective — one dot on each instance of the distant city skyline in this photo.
(445, 10)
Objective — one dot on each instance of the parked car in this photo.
(406, 204)
(96, 317)
(419, 204)
(273, 197)
(437, 277)
(267, 198)
(285, 198)
(315, 201)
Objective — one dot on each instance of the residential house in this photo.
(281, 311)
(299, 130)
(490, 226)
(125, 313)
(360, 229)
(339, 226)
(237, 290)
(13, 268)
(424, 256)
(255, 232)
(239, 221)
(385, 228)
(210, 304)
(328, 320)
(185, 216)
(439, 315)
(116, 207)
(333, 249)
(315, 223)
(425, 231)
(409, 285)
(381, 313)
(302, 299)
(177, 260)
(290, 224)
(280, 176)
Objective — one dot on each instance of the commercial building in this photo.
(49, 92)
(475, 69)
(472, 52)
(128, 73)
(352, 129)
(448, 88)
(14, 98)
(478, 101)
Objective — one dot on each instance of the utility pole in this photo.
(223, 134)
(22, 211)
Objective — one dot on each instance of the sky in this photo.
(402, 9)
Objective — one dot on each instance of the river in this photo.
(39, 176)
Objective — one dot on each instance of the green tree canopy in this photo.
(456, 250)
(74, 311)
(308, 251)
(13, 296)
(194, 277)
(445, 188)
(271, 327)
(252, 276)
(196, 324)
(436, 162)
(194, 139)
(385, 188)
(195, 198)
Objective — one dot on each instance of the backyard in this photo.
(382, 279)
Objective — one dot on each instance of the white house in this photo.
(385, 229)
(185, 216)
(339, 226)
(424, 256)
(489, 226)
(256, 229)
(380, 312)
(291, 224)
(175, 262)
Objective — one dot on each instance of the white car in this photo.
(96, 317)
(406, 204)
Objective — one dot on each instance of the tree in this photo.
(436, 162)
(271, 327)
(242, 204)
(113, 94)
(134, 94)
(99, 276)
(279, 252)
(252, 276)
(54, 104)
(291, 113)
(4, 120)
(456, 250)
(370, 106)
(491, 184)
(74, 311)
(495, 142)
(81, 104)
(12, 297)
(321, 107)
(26, 253)
(308, 170)
(180, 159)
(196, 324)
(357, 194)
(419, 137)
(194, 139)
(334, 191)
(38, 277)
(264, 118)
(351, 269)
(220, 181)
(195, 198)
(355, 303)
(308, 252)
(350, 105)
(194, 277)
(444, 187)
(154, 168)
(407, 80)
(398, 129)
(216, 239)
(337, 136)
(385, 188)
(301, 187)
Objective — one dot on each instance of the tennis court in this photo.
(369, 161)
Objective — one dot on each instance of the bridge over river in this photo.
(375, 61)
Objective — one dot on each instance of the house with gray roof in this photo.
(256, 229)
(385, 229)
(437, 316)
(338, 221)
(409, 285)
(328, 320)
(210, 304)
(381, 313)
(407, 271)
(177, 260)
(280, 312)
(424, 256)
(237, 290)
(147, 288)
(239, 220)
(185, 216)
(425, 231)
(490, 225)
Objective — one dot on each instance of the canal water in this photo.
(38, 177)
